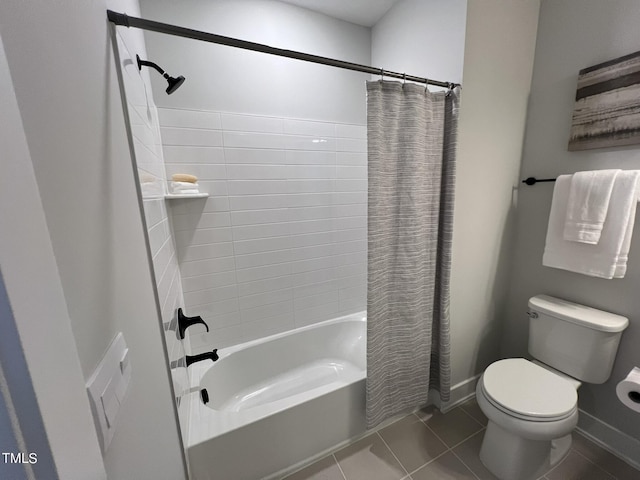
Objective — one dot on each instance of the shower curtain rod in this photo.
(127, 21)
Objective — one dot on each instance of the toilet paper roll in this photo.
(628, 390)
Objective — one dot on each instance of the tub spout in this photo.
(213, 356)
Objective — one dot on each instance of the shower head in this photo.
(174, 83)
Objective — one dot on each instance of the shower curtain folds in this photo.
(411, 143)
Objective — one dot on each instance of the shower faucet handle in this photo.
(185, 322)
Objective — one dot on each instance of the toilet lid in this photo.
(528, 390)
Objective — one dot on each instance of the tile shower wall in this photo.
(145, 129)
(281, 241)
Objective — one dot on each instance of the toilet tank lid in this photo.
(578, 314)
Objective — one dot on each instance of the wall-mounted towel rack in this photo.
(534, 180)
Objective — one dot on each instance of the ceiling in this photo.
(361, 12)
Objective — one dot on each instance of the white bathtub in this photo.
(277, 401)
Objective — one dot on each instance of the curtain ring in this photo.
(426, 85)
(404, 78)
(382, 74)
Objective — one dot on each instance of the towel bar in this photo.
(534, 180)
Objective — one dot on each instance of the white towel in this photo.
(184, 187)
(607, 259)
(589, 197)
(623, 256)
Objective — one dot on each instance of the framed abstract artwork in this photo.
(607, 108)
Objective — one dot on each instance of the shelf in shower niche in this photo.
(172, 196)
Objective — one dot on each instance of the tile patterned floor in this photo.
(430, 445)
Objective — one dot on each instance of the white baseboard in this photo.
(460, 393)
(610, 438)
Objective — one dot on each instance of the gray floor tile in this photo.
(412, 442)
(445, 467)
(325, 469)
(604, 459)
(469, 451)
(576, 467)
(409, 446)
(369, 459)
(452, 427)
(473, 409)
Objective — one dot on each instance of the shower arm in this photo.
(147, 63)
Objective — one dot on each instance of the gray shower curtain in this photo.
(411, 142)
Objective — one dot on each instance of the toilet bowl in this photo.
(532, 407)
(531, 413)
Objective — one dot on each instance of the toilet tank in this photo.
(577, 340)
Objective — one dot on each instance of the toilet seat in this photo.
(527, 391)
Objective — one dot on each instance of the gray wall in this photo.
(423, 38)
(573, 34)
(228, 79)
(37, 349)
(490, 141)
(496, 82)
(60, 59)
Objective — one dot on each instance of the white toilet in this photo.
(532, 406)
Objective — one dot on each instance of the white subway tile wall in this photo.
(145, 126)
(282, 240)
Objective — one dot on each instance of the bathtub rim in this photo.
(358, 316)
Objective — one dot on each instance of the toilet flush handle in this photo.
(532, 314)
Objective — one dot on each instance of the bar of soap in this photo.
(184, 177)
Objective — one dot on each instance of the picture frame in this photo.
(607, 108)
